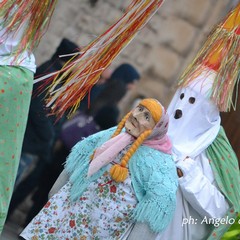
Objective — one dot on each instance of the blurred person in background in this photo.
(41, 131)
(125, 73)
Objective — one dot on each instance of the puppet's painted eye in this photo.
(191, 100)
(147, 116)
(182, 96)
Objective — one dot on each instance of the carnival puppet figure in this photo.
(115, 178)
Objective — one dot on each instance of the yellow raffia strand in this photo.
(78, 76)
(220, 53)
(35, 14)
(118, 173)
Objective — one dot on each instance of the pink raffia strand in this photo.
(82, 72)
(225, 42)
(36, 14)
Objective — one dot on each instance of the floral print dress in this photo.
(102, 212)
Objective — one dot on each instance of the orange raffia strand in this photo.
(17, 12)
(220, 53)
(84, 69)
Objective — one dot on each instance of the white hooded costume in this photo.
(194, 124)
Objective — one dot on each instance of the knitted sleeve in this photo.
(78, 160)
(156, 186)
(81, 152)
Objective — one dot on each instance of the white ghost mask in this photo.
(194, 118)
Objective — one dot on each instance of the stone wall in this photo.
(161, 50)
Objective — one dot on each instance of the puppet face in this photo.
(139, 120)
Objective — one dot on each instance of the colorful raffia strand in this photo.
(78, 76)
(220, 53)
(37, 14)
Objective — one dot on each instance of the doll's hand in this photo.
(179, 172)
(185, 166)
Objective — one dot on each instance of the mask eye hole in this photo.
(182, 96)
(192, 100)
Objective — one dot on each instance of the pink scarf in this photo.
(109, 150)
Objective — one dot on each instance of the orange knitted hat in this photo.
(154, 107)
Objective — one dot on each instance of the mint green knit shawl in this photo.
(153, 176)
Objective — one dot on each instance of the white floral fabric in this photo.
(102, 212)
